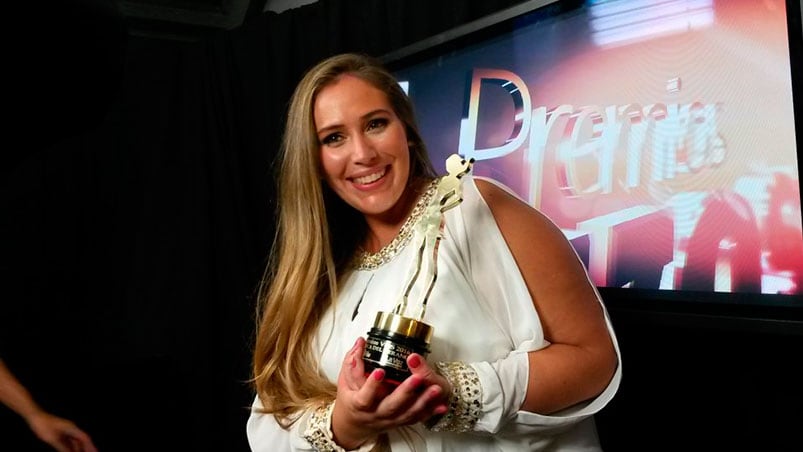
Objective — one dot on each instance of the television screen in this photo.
(660, 136)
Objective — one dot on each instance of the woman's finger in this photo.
(419, 366)
(353, 369)
(372, 391)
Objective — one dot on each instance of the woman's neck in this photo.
(383, 229)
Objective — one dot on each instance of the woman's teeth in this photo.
(370, 178)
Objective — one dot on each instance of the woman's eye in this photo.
(377, 123)
(332, 139)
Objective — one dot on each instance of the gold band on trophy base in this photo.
(403, 326)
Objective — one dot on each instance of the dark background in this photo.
(137, 206)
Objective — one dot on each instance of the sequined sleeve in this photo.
(465, 402)
(319, 432)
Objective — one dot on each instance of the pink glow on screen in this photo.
(669, 159)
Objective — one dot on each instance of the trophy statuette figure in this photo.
(397, 334)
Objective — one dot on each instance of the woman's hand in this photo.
(368, 406)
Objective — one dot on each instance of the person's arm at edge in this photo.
(47, 427)
(581, 359)
(14, 395)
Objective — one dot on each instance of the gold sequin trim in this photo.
(372, 261)
(319, 432)
(465, 403)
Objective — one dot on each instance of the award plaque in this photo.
(397, 334)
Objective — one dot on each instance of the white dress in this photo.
(482, 314)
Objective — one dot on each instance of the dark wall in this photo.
(703, 386)
(136, 218)
(134, 229)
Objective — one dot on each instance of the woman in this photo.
(522, 355)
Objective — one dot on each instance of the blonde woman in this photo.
(523, 353)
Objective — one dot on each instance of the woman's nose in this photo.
(364, 149)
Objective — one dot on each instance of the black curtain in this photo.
(137, 208)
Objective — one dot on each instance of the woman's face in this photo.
(364, 150)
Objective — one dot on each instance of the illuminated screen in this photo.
(658, 135)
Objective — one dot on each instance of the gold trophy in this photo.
(397, 334)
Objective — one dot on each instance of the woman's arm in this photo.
(581, 359)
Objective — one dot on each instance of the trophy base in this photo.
(391, 340)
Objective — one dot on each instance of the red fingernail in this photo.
(379, 374)
(414, 361)
(353, 363)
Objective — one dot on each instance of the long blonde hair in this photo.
(302, 276)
